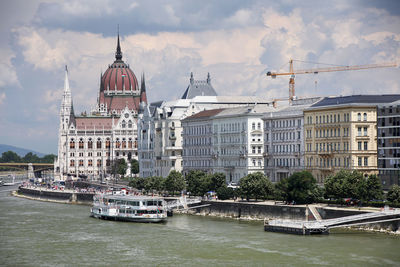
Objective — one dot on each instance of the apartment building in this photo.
(341, 133)
(389, 144)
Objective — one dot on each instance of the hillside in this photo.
(20, 151)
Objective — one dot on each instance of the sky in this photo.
(236, 41)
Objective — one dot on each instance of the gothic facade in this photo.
(90, 143)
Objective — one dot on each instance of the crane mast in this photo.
(293, 72)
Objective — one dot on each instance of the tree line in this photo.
(12, 157)
(300, 187)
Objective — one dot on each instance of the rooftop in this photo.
(357, 99)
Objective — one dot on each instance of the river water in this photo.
(34, 233)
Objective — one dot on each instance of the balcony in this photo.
(325, 153)
(172, 137)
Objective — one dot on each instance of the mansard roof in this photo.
(356, 99)
(199, 88)
(205, 114)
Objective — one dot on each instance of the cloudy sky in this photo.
(236, 41)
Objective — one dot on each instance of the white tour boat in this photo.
(129, 208)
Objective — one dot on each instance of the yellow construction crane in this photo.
(293, 72)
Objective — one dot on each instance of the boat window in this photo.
(133, 203)
(152, 203)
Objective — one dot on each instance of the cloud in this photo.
(2, 98)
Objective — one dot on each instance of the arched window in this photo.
(98, 145)
(90, 143)
(72, 163)
(359, 116)
(129, 124)
(81, 145)
(90, 163)
(123, 124)
(123, 143)
(98, 162)
(130, 143)
(365, 116)
(108, 143)
(117, 143)
(72, 144)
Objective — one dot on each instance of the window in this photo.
(117, 143)
(72, 163)
(259, 150)
(365, 145)
(359, 161)
(253, 126)
(359, 116)
(98, 143)
(123, 124)
(108, 143)
(259, 125)
(81, 143)
(365, 131)
(366, 161)
(72, 144)
(90, 143)
(81, 163)
(365, 116)
(98, 162)
(359, 131)
(130, 124)
(359, 145)
(90, 163)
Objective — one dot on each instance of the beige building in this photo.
(341, 133)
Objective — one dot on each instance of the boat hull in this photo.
(129, 219)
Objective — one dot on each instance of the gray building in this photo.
(284, 140)
(389, 143)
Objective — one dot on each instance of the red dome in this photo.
(119, 77)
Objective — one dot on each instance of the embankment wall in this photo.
(67, 197)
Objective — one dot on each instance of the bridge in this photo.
(323, 226)
(33, 169)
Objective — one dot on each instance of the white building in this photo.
(228, 140)
(89, 143)
(284, 140)
(160, 130)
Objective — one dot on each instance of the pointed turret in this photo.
(208, 78)
(143, 96)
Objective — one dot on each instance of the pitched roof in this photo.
(205, 114)
(93, 122)
(356, 99)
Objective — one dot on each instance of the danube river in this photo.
(34, 233)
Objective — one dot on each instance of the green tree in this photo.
(10, 157)
(119, 167)
(302, 188)
(335, 185)
(281, 189)
(374, 187)
(174, 182)
(394, 194)
(134, 166)
(194, 180)
(224, 192)
(256, 185)
(31, 158)
(138, 183)
(218, 180)
(48, 158)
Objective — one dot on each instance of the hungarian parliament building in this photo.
(89, 143)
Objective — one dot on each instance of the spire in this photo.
(66, 82)
(191, 78)
(118, 53)
(143, 96)
(208, 78)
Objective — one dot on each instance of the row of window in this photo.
(331, 118)
(283, 123)
(327, 163)
(80, 162)
(118, 144)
